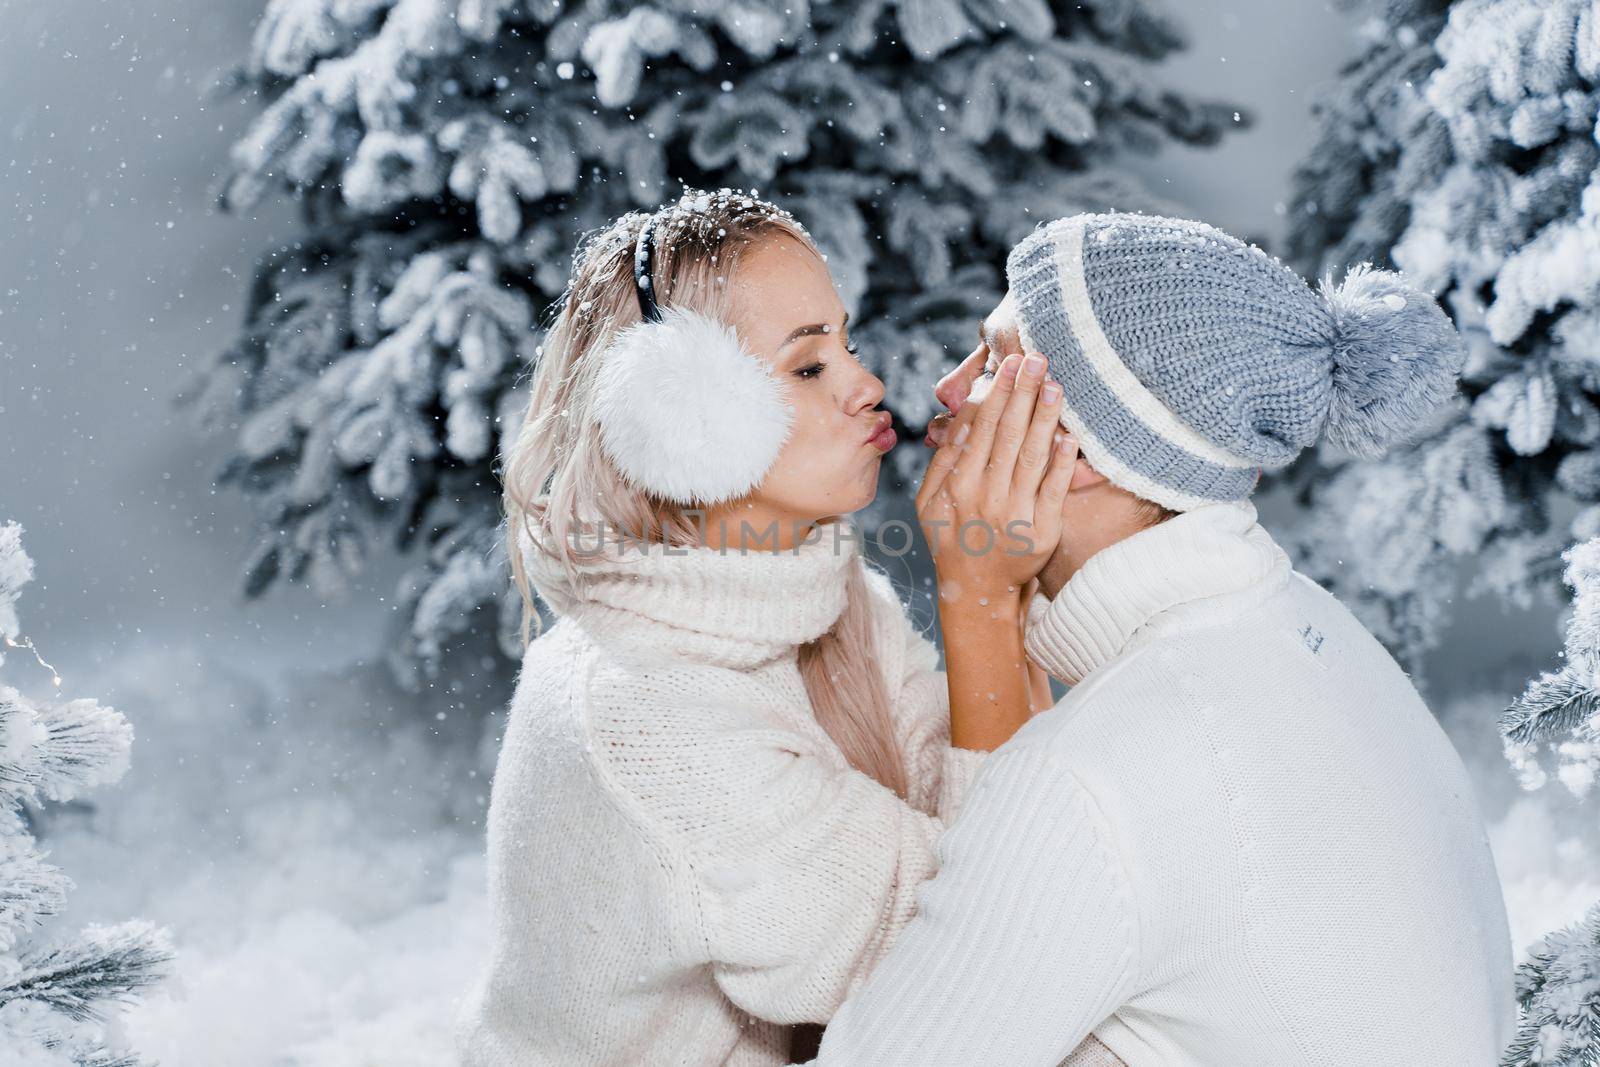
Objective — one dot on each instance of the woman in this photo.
(726, 765)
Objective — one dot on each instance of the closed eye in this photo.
(813, 370)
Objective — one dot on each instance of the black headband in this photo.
(642, 283)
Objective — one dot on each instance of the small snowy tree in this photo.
(1558, 985)
(447, 154)
(54, 998)
(1460, 148)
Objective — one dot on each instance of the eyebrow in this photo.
(813, 330)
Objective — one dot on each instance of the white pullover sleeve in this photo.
(801, 870)
(1026, 940)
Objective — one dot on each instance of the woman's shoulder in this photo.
(549, 663)
(570, 674)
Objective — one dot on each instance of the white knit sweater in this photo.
(1240, 839)
(679, 858)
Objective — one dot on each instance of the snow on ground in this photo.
(1544, 841)
(318, 858)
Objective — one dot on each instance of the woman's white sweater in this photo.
(1240, 839)
(680, 859)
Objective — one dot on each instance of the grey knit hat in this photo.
(1191, 361)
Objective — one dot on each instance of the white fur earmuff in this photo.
(686, 412)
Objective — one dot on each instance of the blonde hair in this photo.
(558, 479)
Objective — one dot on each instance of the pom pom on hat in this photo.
(1396, 356)
(686, 412)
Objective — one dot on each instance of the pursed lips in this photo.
(883, 438)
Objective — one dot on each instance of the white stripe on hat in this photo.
(1106, 462)
(1067, 241)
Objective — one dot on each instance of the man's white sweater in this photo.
(1240, 839)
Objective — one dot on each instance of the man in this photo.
(1241, 838)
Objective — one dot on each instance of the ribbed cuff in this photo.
(1209, 552)
(959, 767)
(1066, 645)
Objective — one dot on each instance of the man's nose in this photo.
(946, 392)
(954, 388)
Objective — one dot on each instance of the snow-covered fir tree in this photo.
(55, 997)
(447, 154)
(1558, 985)
(1460, 148)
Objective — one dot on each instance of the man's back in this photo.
(1313, 881)
(1241, 838)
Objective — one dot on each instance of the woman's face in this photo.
(787, 313)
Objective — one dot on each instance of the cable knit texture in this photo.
(1241, 838)
(1191, 360)
(680, 859)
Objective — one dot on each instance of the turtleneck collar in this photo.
(733, 608)
(1213, 556)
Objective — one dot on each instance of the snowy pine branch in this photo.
(1556, 704)
(54, 1001)
(1559, 708)
(59, 749)
(16, 570)
(106, 963)
(31, 890)
(1558, 989)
